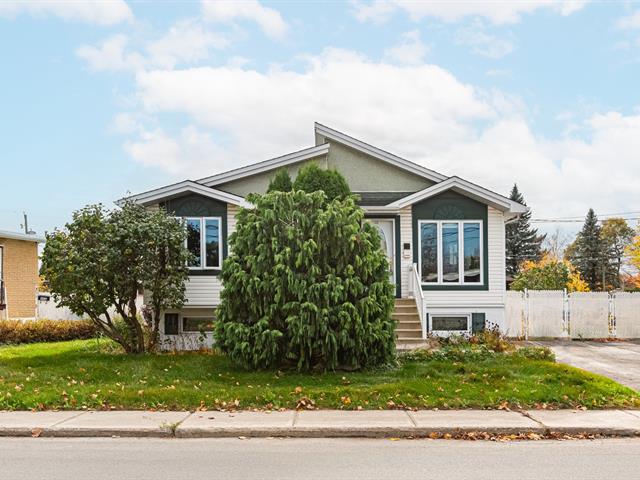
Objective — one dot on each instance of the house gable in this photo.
(195, 205)
(450, 205)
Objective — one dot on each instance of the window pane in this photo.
(170, 323)
(212, 239)
(449, 324)
(193, 241)
(450, 253)
(472, 252)
(429, 254)
(197, 324)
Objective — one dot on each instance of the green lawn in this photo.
(88, 374)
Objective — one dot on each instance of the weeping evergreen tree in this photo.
(587, 252)
(281, 182)
(306, 285)
(312, 178)
(522, 241)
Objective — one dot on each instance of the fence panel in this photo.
(514, 314)
(626, 309)
(589, 314)
(546, 313)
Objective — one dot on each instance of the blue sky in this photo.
(104, 98)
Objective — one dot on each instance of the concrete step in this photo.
(405, 316)
(405, 309)
(409, 324)
(405, 302)
(408, 334)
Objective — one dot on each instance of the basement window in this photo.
(450, 324)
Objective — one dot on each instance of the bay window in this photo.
(204, 241)
(450, 252)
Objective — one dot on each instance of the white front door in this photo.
(386, 229)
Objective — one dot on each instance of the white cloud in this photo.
(98, 12)
(110, 55)
(237, 116)
(409, 51)
(497, 12)
(630, 21)
(187, 152)
(269, 19)
(483, 43)
(186, 42)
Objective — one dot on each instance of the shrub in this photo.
(493, 339)
(312, 178)
(537, 353)
(16, 331)
(306, 284)
(281, 182)
(102, 259)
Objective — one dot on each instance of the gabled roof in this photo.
(466, 188)
(187, 186)
(378, 153)
(265, 165)
(21, 236)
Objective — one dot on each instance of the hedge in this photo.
(31, 331)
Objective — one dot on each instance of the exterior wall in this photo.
(406, 257)
(365, 173)
(260, 182)
(187, 340)
(20, 270)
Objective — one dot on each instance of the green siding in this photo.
(194, 205)
(450, 205)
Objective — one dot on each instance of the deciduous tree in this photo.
(102, 259)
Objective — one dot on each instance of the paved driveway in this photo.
(617, 360)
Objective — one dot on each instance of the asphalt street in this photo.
(236, 458)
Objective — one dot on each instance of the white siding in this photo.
(480, 298)
(232, 211)
(406, 261)
(203, 291)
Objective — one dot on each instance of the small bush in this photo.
(537, 353)
(16, 331)
(493, 339)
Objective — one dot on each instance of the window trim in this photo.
(468, 316)
(439, 260)
(181, 330)
(203, 243)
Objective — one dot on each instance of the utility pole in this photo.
(26, 223)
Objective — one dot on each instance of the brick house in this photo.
(18, 274)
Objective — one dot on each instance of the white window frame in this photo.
(203, 244)
(181, 330)
(460, 282)
(446, 333)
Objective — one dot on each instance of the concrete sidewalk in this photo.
(317, 423)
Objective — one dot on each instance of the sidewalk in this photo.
(318, 423)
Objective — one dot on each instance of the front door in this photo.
(386, 229)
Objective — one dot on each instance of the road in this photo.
(159, 459)
(619, 361)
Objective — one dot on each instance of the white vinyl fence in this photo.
(558, 314)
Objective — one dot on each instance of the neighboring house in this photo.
(444, 236)
(18, 274)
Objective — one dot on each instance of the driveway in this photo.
(619, 361)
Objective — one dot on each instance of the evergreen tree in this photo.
(311, 178)
(522, 241)
(281, 182)
(586, 253)
(306, 285)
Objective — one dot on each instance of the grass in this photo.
(90, 374)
